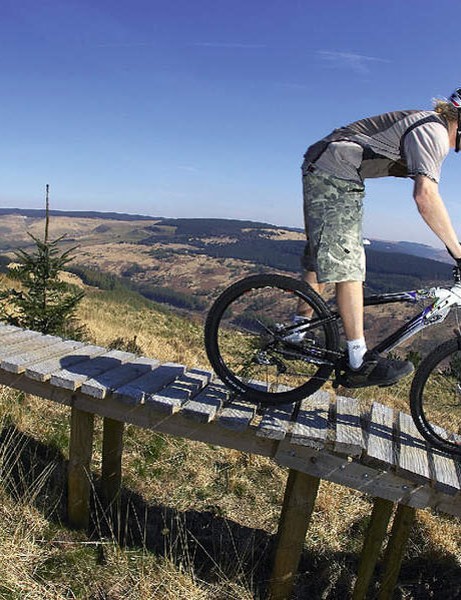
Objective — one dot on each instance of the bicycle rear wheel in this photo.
(250, 345)
(435, 397)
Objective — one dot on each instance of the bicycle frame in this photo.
(444, 299)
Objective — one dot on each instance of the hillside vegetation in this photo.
(198, 521)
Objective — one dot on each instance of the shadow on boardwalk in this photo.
(213, 546)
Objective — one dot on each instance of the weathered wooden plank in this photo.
(41, 371)
(26, 346)
(380, 436)
(311, 425)
(4, 328)
(18, 336)
(111, 468)
(19, 362)
(413, 458)
(204, 406)
(276, 421)
(376, 532)
(401, 529)
(170, 399)
(73, 377)
(79, 473)
(351, 473)
(349, 436)
(7, 330)
(298, 505)
(444, 469)
(237, 415)
(104, 383)
(136, 391)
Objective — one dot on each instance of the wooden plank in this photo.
(380, 436)
(311, 425)
(19, 362)
(445, 472)
(4, 328)
(7, 331)
(377, 529)
(104, 383)
(73, 377)
(276, 421)
(136, 391)
(349, 437)
(413, 458)
(79, 474)
(111, 469)
(205, 405)
(41, 371)
(18, 336)
(353, 474)
(171, 398)
(26, 346)
(401, 529)
(298, 505)
(237, 415)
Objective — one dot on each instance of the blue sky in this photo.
(204, 108)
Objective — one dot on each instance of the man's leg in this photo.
(310, 277)
(349, 298)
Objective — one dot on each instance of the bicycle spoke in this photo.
(254, 346)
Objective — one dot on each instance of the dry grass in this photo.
(160, 334)
(196, 485)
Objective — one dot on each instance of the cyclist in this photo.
(407, 143)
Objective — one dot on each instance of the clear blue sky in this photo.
(203, 108)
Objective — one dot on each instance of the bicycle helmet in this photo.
(455, 100)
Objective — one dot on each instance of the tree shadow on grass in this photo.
(213, 547)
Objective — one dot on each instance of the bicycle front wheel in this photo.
(257, 351)
(435, 397)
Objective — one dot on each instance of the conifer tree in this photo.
(44, 303)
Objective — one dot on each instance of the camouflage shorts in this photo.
(333, 219)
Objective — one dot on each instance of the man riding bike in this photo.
(407, 143)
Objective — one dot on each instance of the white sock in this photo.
(356, 350)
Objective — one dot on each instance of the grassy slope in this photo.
(199, 520)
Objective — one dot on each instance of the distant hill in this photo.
(38, 213)
(413, 248)
(197, 257)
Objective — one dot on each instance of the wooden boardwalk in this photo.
(377, 451)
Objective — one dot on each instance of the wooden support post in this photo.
(401, 529)
(79, 481)
(111, 476)
(298, 504)
(380, 517)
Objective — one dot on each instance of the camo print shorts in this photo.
(333, 215)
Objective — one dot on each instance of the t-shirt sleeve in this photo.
(425, 149)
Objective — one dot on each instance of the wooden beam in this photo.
(111, 470)
(79, 478)
(401, 529)
(380, 517)
(298, 505)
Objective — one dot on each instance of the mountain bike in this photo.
(261, 355)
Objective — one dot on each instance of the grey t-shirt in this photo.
(401, 144)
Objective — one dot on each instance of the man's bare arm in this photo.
(432, 209)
